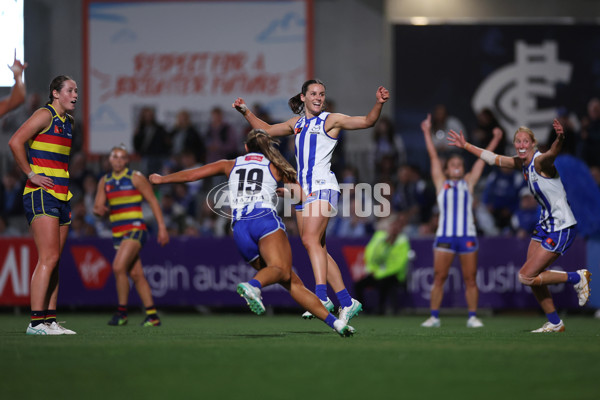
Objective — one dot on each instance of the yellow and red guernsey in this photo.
(48, 154)
(125, 203)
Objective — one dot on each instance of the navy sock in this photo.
(553, 317)
(330, 320)
(344, 298)
(435, 313)
(472, 314)
(37, 317)
(255, 283)
(321, 292)
(573, 277)
(50, 316)
(122, 310)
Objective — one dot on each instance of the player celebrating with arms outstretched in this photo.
(556, 228)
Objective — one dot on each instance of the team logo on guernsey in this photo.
(297, 131)
(253, 157)
(221, 201)
(58, 129)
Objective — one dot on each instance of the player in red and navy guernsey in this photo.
(41, 147)
(124, 190)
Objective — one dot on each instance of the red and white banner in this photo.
(17, 263)
(191, 55)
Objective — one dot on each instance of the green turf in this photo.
(285, 357)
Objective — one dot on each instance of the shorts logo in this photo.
(443, 245)
(54, 210)
(550, 242)
(470, 244)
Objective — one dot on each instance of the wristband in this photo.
(488, 157)
(243, 109)
(31, 175)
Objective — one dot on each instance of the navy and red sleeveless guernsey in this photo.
(48, 155)
(125, 203)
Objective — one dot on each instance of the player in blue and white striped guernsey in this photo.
(456, 233)
(556, 229)
(258, 231)
(316, 132)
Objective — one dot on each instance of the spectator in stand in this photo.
(501, 195)
(389, 149)
(351, 225)
(185, 137)
(13, 195)
(188, 160)
(150, 141)
(386, 262)
(412, 195)
(221, 141)
(78, 171)
(483, 132)
(6, 230)
(590, 133)
(442, 122)
(526, 217)
(595, 172)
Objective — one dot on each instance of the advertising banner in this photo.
(206, 271)
(193, 55)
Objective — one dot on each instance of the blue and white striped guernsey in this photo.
(314, 148)
(550, 194)
(251, 185)
(456, 210)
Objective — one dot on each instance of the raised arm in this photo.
(437, 171)
(221, 167)
(473, 176)
(40, 120)
(281, 129)
(17, 94)
(545, 162)
(141, 183)
(458, 140)
(341, 121)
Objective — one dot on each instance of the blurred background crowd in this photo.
(503, 204)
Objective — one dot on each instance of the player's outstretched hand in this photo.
(456, 139)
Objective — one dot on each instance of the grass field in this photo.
(243, 356)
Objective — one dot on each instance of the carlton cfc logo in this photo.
(93, 268)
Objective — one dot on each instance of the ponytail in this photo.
(295, 103)
(259, 141)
